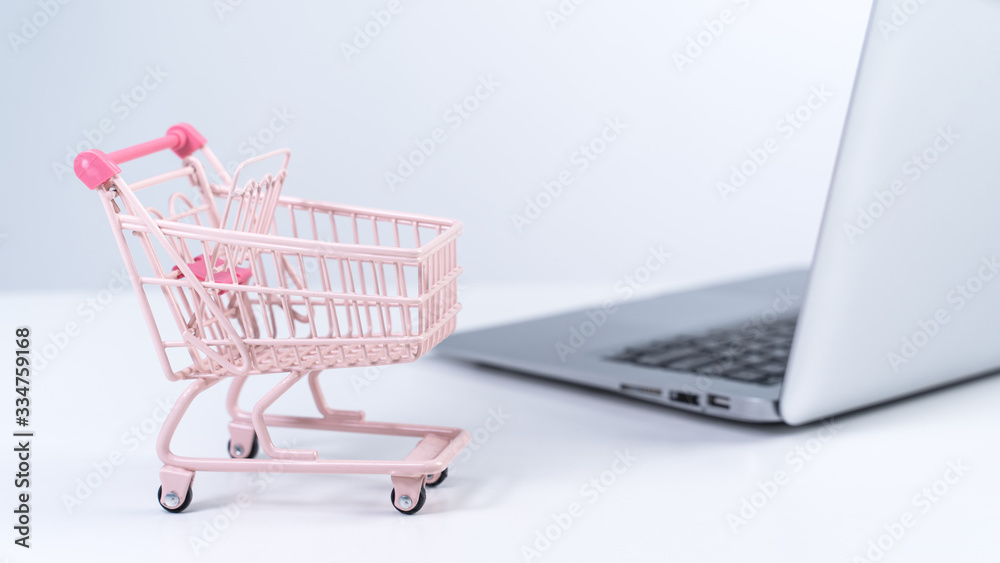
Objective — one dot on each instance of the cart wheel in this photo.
(416, 507)
(185, 504)
(244, 455)
(436, 479)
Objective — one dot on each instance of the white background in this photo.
(227, 72)
(673, 504)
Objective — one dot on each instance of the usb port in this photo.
(686, 398)
(718, 402)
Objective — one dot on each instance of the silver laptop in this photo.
(903, 295)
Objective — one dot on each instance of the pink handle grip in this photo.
(93, 167)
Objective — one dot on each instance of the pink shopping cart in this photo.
(266, 283)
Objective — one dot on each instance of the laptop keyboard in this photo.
(757, 355)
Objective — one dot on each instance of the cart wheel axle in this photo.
(238, 452)
(176, 508)
(436, 479)
(413, 508)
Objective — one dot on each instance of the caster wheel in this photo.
(244, 455)
(437, 479)
(415, 507)
(185, 504)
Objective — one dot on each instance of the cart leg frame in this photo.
(437, 448)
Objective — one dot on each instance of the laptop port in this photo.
(642, 389)
(686, 398)
(718, 402)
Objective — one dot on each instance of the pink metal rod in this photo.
(168, 141)
(93, 167)
(182, 138)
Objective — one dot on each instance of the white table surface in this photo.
(671, 504)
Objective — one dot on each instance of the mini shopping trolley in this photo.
(255, 282)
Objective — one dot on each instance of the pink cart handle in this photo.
(93, 167)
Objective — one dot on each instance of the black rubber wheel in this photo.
(440, 479)
(254, 448)
(185, 504)
(415, 508)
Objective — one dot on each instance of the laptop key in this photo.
(779, 356)
(757, 347)
(753, 359)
